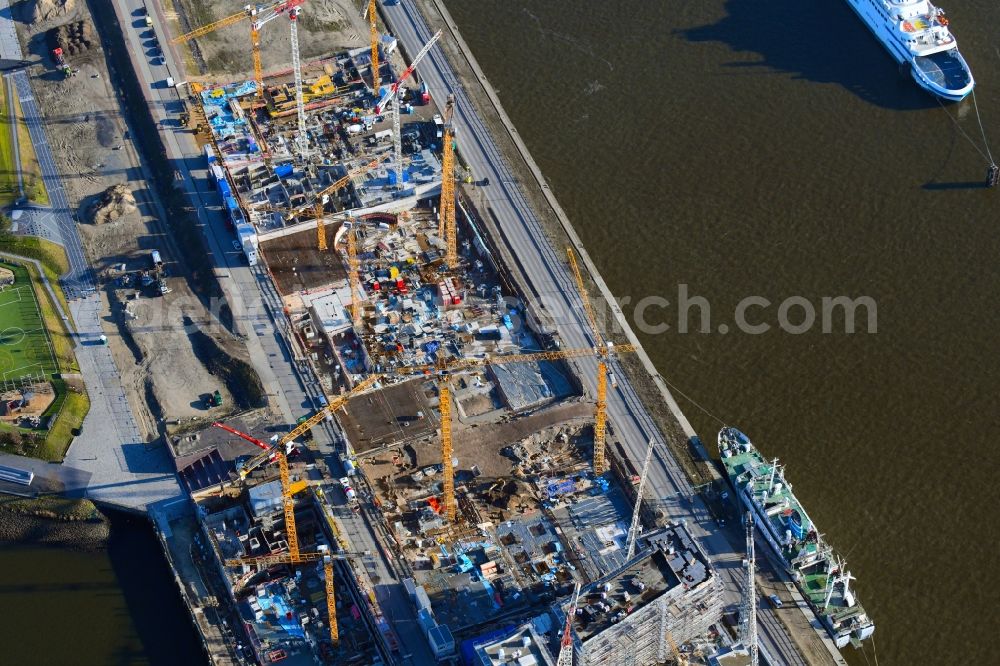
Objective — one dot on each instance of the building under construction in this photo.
(468, 439)
(666, 596)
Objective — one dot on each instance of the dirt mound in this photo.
(116, 202)
(73, 38)
(47, 9)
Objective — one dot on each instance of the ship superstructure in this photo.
(819, 573)
(917, 33)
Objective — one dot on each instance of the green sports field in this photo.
(25, 349)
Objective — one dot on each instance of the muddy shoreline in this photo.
(53, 522)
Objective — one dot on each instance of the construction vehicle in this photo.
(216, 399)
(61, 64)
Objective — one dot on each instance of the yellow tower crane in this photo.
(604, 350)
(444, 370)
(354, 273)
(327, 557)
(288, 490)
(259, 15)
(447, 228)
(373, 25)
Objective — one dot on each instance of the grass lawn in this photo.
(25, 348)
(51, 255)
(71, 404)
(9, 189)
(31, 171)
(75, 406)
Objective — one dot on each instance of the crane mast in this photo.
(448, 483)
(447, 227)
(566, 643)
(633, 530)
(288, 504)
(748, 608)
(301, 140)
(392, 95)
(603, 350)
(260, 14)
(331, 600)
(258, 68)
(372, 23)
(354, 278)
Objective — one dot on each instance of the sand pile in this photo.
(73, 38)
(116, 202)
(48, 9)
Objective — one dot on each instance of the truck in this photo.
(154, 256)
(61, 64)
(169, 81)
(307, 436)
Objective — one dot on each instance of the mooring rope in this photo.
(986, 155)
(986, 143)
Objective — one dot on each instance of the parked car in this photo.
(774, 600)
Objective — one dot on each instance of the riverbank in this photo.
(53, 521)
(114, 604)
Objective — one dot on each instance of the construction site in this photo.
(466, 433)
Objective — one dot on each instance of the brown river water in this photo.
(773, 149)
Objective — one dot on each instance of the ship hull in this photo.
(945, 75)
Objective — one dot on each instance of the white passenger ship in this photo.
(916, 32)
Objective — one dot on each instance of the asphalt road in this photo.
(556, 288)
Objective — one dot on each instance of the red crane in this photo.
(289, 448)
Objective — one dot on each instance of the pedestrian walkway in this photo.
(56, 222)
(109, 461)
(124, 469)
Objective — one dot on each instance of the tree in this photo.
(6, 224)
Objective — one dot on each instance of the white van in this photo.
(612, 380)
(170, 82)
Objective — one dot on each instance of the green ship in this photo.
(818, 572)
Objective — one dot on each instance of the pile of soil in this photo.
(73, 38)
(240, 378)
(116, 202)
(44, 10)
